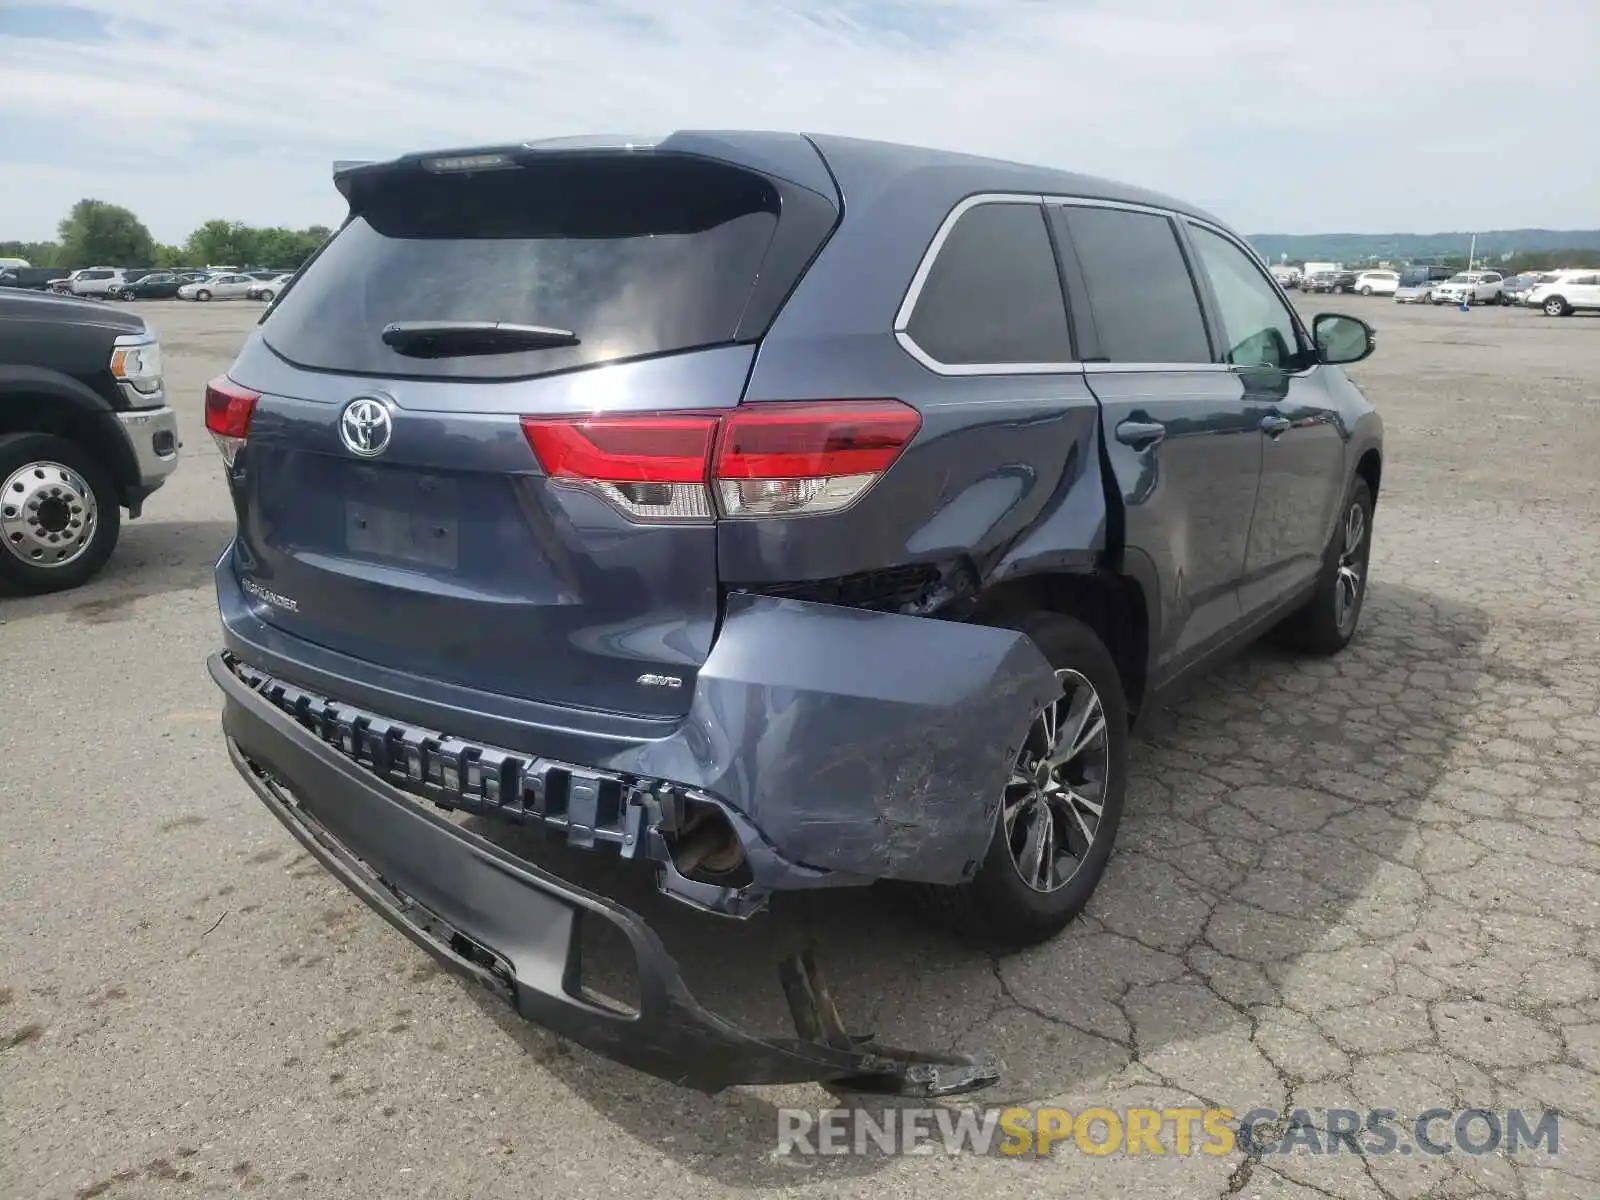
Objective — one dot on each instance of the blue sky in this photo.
(1368, 115)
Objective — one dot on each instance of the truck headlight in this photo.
(136, 363)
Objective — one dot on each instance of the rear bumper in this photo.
(514, 928)
(846, 745)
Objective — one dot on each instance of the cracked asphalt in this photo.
(1361, 883)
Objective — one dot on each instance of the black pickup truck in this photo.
(85, 432)
(36, 279)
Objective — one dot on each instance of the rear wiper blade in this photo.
(450, 339)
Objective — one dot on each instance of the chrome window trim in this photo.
(1149, 368)
(919, 279)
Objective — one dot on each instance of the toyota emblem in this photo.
(365, 427)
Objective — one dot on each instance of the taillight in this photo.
(229, 408)
(650, 465)
(759, 461)
(796, 459)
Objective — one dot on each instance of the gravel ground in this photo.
(1366, 883)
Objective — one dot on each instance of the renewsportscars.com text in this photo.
(1179, 1132)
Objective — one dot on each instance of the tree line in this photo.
(95, 233)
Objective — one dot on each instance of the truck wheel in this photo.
(1059, 808)
(1327, 621)
(59, 514)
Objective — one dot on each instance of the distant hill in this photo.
(1357, 247)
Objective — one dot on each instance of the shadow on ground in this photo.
(1265, 809)
(152, 558)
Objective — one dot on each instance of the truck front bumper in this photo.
(514, 928)
(152, 435)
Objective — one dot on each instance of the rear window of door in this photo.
(992, 295)
(637, 255)
(1257, 327)
(1144, 302)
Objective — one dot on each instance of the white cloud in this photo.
(1365, 115)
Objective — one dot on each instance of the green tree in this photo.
(168, 256)
(96, 233)
(39, 254)
(221, 241)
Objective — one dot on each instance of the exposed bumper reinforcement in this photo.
(514, 928)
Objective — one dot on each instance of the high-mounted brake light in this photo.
(229, 408)
(763, 460)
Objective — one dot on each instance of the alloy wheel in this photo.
(1348, 580)
(47, 514)
(1050, 814)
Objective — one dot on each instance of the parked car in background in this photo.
(1516, 289)
(157, 285)
(216, 287)
(85, 432)
(712, 638)
(1288, 277)
(1569, 292)
(1378, 283)
(94, 281)
(33, 279)
(1470, 287)
(1416, 284)
(267, 289)
(1334, 282)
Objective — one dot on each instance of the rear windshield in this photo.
(636, 255)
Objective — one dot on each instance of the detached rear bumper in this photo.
(846, 745)
(514, 928)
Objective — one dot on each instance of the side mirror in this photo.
(1342, 339)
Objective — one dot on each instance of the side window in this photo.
(1257, 327)
(993, 294)
(1145, 307)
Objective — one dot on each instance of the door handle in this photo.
(1272, 424)
(1139, 434)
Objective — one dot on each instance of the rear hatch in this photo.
(392, 504)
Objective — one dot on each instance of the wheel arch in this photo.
(83, 419)
(1114, 605)
(1370, 468)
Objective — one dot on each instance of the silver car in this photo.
(218, 287)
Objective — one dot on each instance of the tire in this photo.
(1325, 624)
(998, 909)
(202, 295)
(1555, 306)
(1366, 291)
(268, 297)
(41, 467)
(1338, 289)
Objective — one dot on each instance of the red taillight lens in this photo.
(812, 441)
(229, 408)
(652, 466)
(623, 448)
(764, 460)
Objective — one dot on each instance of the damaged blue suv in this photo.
(772, 511)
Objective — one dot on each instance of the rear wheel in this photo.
(59, 514)
(1060, 805)
(1328, 620)
(1556, 307)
